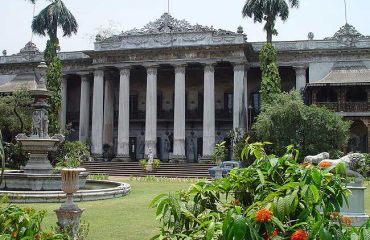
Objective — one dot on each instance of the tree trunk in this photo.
(20, 119)
(269, 30)
(269, 34)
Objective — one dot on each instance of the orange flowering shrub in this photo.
(346, 221)
(325, 164)
(299, 235)
(264, 215)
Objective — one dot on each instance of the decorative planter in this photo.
(70, 185)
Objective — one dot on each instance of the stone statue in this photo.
(36, 123)
(352, 161)
(149, 166)
(45, 124)
(317, 158)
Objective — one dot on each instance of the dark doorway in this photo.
(159, 148)
(132, 148)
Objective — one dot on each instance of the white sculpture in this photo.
(351, 160)
(317, 158)
(149, 166)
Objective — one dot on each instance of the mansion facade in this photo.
(178, 89)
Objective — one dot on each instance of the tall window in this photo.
(133, 105)
(256, 102)
(159, 103)
(228, 102)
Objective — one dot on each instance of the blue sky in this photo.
(323, 17)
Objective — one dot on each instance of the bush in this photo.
(156, 163)
(15, 157)
(219, 152)
(24, 223)
(71, 154)
(239, 138)
(273, 198)
(287, 120)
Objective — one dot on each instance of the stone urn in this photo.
(70, 185)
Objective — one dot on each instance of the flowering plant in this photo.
(273, 198)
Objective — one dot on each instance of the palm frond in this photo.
(53, 16)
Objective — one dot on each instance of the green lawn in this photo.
(129, 217)
(124, 218)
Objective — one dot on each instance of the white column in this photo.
(97, 114)
(124, 116)
(209, 112)
(151, 110)
(246, 99)
(108, 111)
(84, 108)
(300, 77)
(63, 107)
(238, 96)
(179, 114)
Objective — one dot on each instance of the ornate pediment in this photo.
(30, 47)
(168, 31)
(348, 36)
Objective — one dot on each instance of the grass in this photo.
(129, 217)
(124, 218)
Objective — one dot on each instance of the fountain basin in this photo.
(93, 190)
(18, 180)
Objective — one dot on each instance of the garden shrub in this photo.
(219, 152)
(311, 129)
(71, 153)
(15, 156)
(18, 223)
(273, 198)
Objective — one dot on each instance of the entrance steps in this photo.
(128, 169)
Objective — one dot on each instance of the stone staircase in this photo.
(170, 170)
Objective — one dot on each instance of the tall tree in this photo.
(268, 11)
(55, 15)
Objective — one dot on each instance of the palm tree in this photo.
(268, 10)
(53, 16)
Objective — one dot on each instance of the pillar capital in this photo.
(99, 73)
(180, 68)
(300, 69)
(124, 71)
(240, 66)
(209, 67)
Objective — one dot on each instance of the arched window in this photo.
(358, 137)
(356, 94)
(327, 94)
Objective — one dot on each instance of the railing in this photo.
(357, 107)
(334, 106)
(346, 107)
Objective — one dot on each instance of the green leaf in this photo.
(155, 200)
(210, 231)
(315, 193)
(239, 229)
(316, 176)
(325, 234)
(261, 177)
(366, 234)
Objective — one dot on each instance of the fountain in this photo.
(37, 182)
